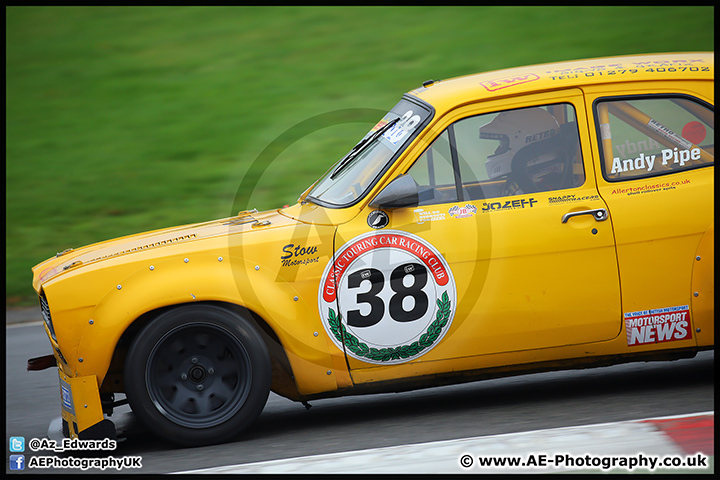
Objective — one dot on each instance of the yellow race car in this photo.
(537, 218)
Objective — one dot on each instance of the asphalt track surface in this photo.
(286, 429)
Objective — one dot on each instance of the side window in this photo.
(653, 136)
(433, 172)
(499, 154)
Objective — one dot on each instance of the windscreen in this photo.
(356, 172)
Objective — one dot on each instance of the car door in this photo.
(506, 250)
(657, 157)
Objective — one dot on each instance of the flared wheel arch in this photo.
(283, 382)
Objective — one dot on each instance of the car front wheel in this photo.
(198, 375)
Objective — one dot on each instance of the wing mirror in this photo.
(401, 192)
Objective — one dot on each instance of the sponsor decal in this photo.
(379, 125)
(612, 69)
(647, 162)
(387, 297)
(66, 396)
(658, 325)
(640, 163)
(572, 198)
(655, 187)
(378, 219)
(575, 72)
(669, 134)
(694, 132)
(505, 82)
(462, 212)
(509, 204)
(681, 156)
(670, 62)
(294, 255)
(422, 215)
(395, 134)
(400, 130)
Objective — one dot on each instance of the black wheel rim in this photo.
(198, 375)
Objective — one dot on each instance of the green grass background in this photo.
(125, 119)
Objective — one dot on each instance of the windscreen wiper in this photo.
(361, 146)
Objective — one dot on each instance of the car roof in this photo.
(446, 94)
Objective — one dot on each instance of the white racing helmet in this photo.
(515, 130)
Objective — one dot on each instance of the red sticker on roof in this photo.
(500, 83)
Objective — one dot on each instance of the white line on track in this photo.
(617, 438)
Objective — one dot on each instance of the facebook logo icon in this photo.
(17, 462)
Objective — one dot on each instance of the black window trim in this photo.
(455, 162)
(644, 96)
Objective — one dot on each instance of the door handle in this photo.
(599, 214)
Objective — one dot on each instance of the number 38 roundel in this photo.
(389, 297)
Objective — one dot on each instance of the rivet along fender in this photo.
(703, 282)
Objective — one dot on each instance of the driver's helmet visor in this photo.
(504, 140)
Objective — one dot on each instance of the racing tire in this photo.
(198, 375)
